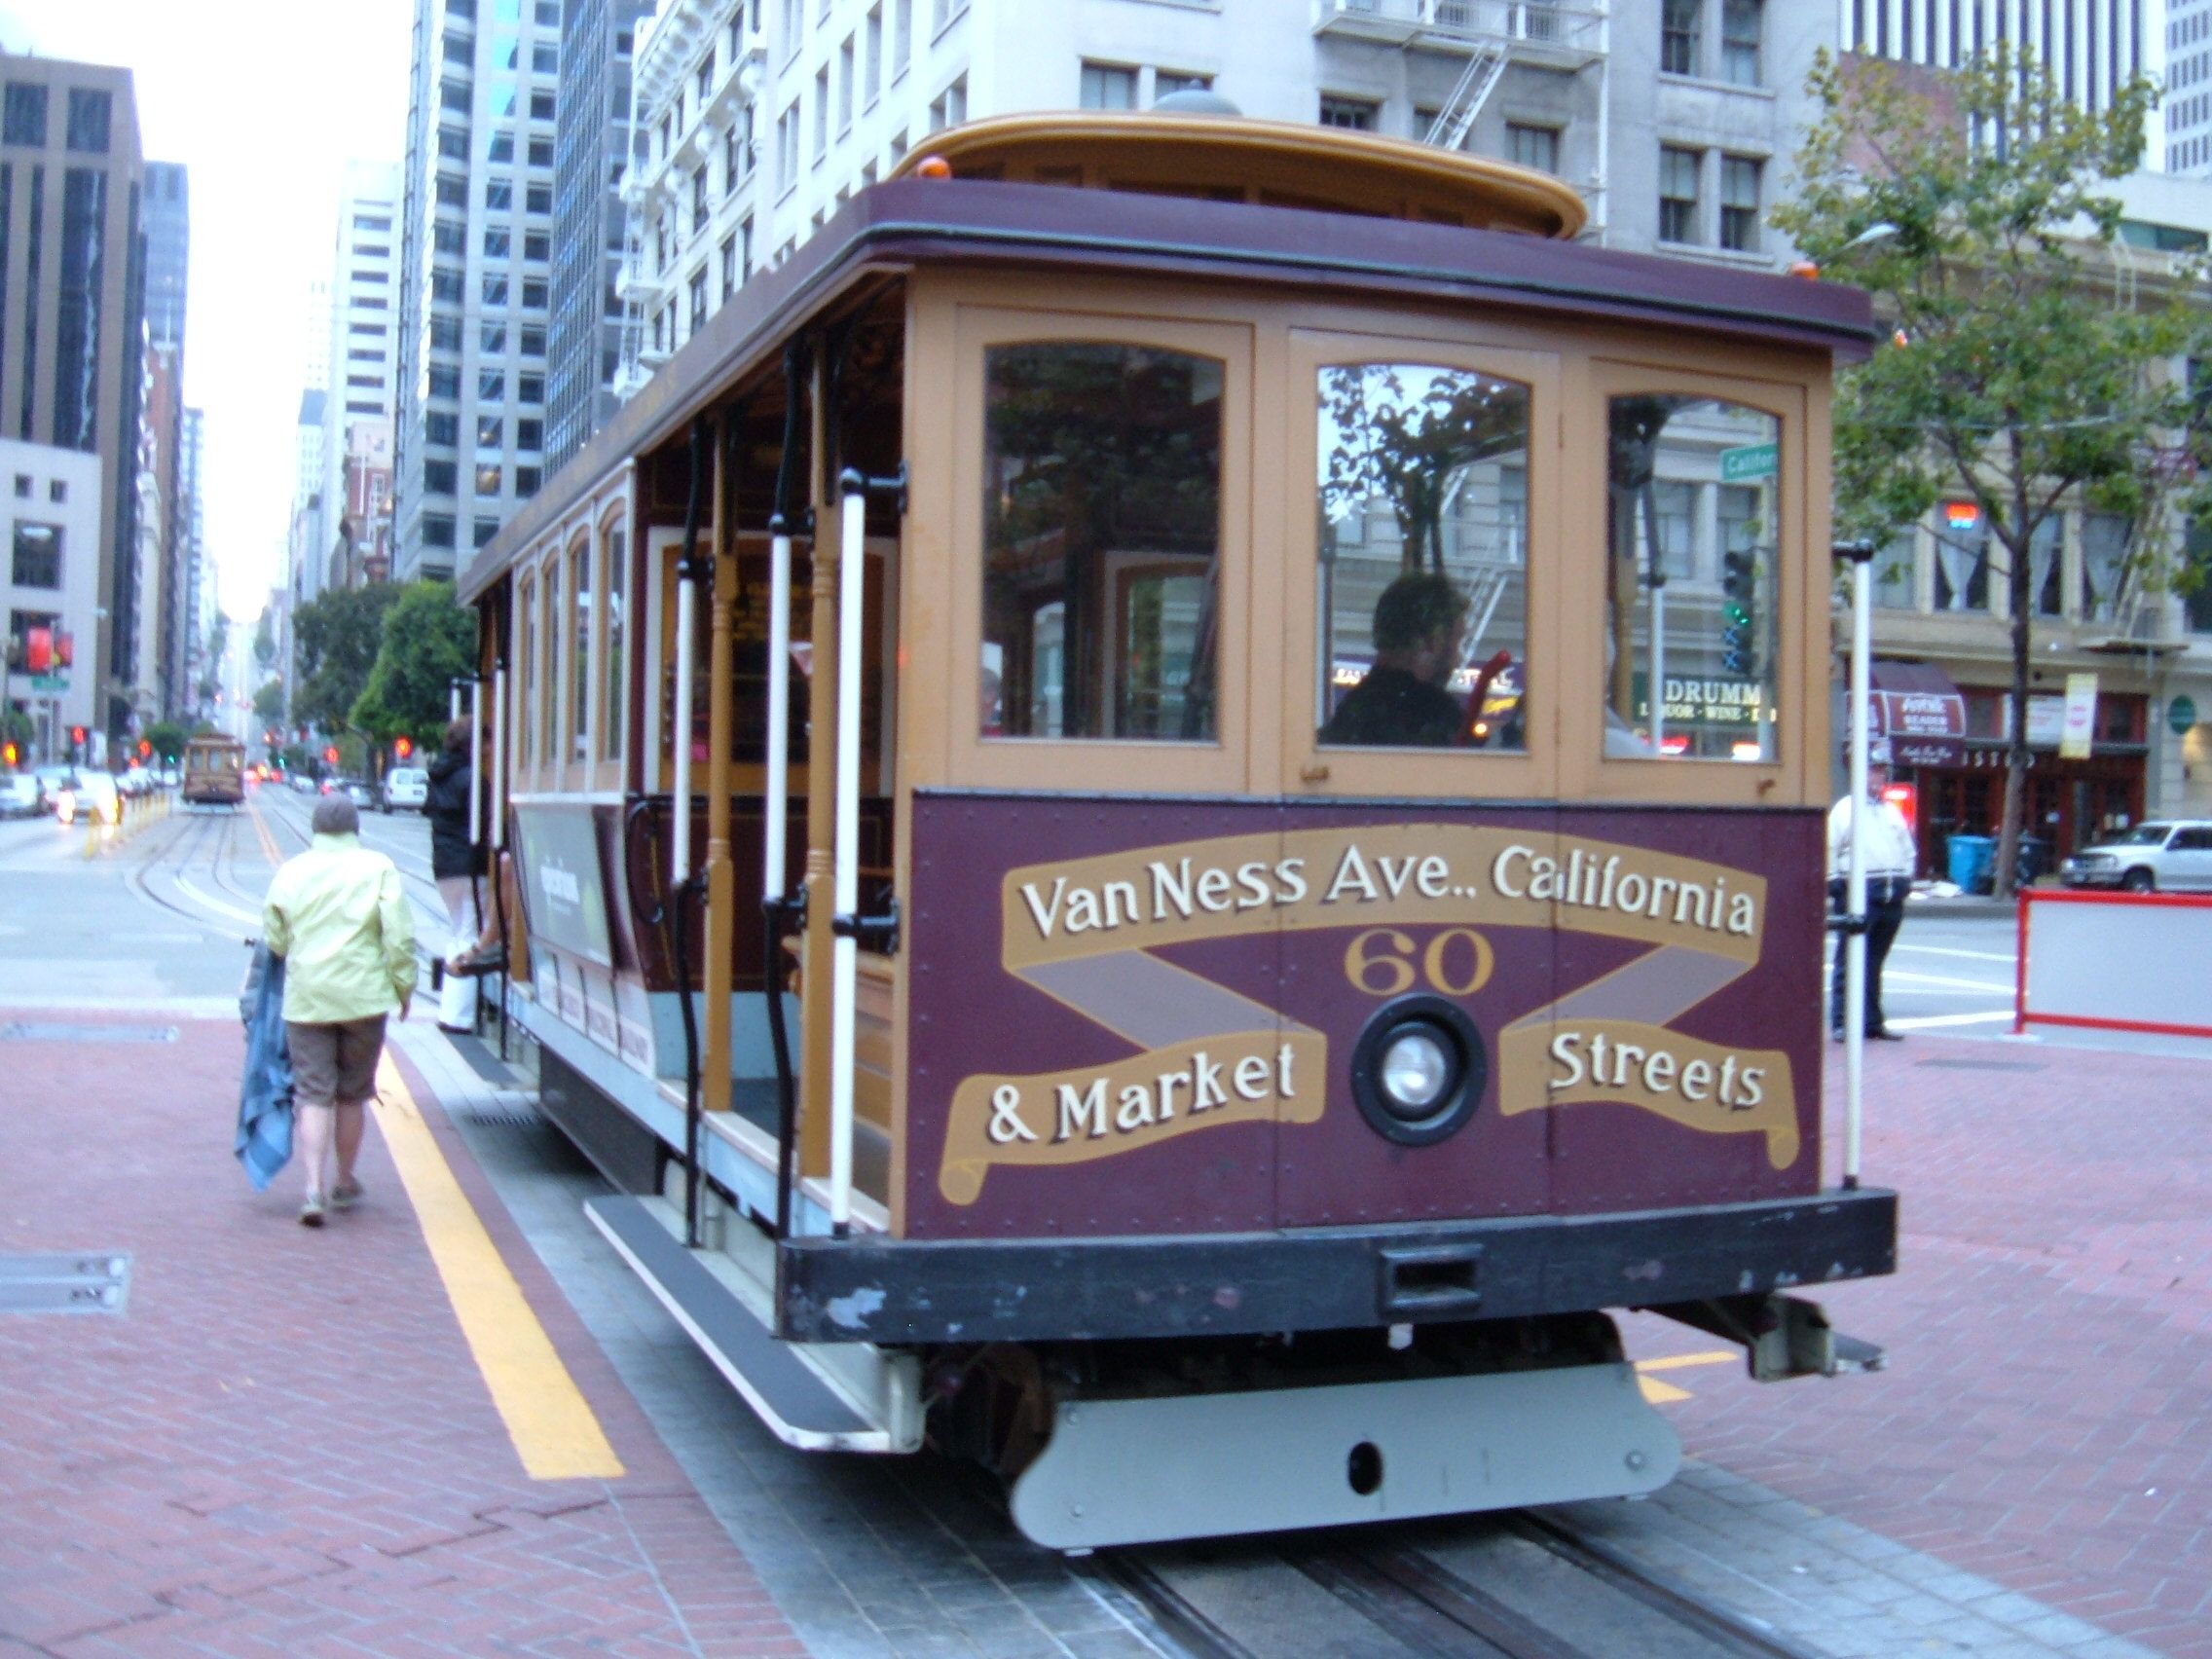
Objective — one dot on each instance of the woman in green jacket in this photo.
(338, 916)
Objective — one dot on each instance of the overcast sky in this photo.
(264, 100)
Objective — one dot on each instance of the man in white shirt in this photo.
(1891, 857)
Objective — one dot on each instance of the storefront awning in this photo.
(1917, 707)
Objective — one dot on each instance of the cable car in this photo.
(1163, 805)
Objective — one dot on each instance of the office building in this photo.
(198, 609)
(591, 148)
(475, 275)
(72, 307)
(2184, 130)
(51, 520)
(2094, 47)
(363, 355)
(757, 121)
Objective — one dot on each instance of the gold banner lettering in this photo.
(1072, 1117)
(1371, 875)
(1698, 1084)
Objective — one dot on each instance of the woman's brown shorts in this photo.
(335, 1062)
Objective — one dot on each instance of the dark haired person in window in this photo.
(1402, 698)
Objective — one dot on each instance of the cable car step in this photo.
(1144, 1470)
(804, 1399)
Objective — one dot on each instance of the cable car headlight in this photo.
(1414, 1069)
(1419, 1069)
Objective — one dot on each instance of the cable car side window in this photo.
(1423, 476)
(1101, 542)
(1691, 572)
(579, 653)
(617, 548)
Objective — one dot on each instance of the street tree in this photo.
(167, 739)
(428, 640)
(2028, 372)
(269, 703)
(218, 641)
(265, 640)
(335, 640)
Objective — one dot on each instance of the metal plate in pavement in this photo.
(61, 1031)
(65, 1281)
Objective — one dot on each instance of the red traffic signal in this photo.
(76, 734)
(403, 747)
(145, 748)
(8, 752)
(331, 754)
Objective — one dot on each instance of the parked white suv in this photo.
(406, 787)
(2173, 855)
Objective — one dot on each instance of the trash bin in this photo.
(1973, 858)
(2033, 859)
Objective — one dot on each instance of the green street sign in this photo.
(2181, 715)
(1746, 461)
(49, 684)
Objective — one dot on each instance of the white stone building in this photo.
(364, 297)
(49, 527)
(757, 119)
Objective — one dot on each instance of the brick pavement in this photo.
(2046, 1418)
(284, 1446)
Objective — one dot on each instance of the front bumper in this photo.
(2072, 875)
(888, 1290)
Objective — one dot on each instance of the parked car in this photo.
(407, 787)
(304, 782)
(92, 795)
(52, 781)
(20, 797)
(353, 789)
(2170, 854)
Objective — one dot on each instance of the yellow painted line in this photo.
(1660, 1393)
(1676, 1361)
(554, 1430)
(268, 841)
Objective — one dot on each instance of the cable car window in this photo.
(580, 656)
(617, 547)
(1690, 580)
(1101, 542)
(1423, 486)
(549, 631)
(526, 616)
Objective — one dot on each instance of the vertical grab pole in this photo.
(499, 835)
(1861, 556)
(851, 573)
(476, 838)
(680, 736)
(775, 905)
(777, 791)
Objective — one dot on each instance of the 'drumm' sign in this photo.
(1128, 1017)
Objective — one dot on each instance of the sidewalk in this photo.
(285, 1447)
(2046, 1417)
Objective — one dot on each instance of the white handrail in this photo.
(498, 762)
(1854, 879)
(680, 733)
(475, 764)
(852, 569)
(775, 804)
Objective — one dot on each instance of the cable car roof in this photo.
(1271, 163)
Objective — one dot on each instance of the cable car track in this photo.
(1413, 1600)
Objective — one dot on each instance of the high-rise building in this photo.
(168, 244)
(2094, 47)
(364, 289)
(591, 149)
(757, 121)
(168, 250)
(2186, 140)
(308, 555)
(52, 512)
(475, 275)
(198, 609)
(72, 306)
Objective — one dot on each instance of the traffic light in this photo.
(1739, 601)
(8, 752)
(330, 755)
(145, 748)
(403, 747)
(77, 734)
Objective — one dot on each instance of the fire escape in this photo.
(1488, 36)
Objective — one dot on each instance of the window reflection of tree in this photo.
(1408, 434)
(1099, 457)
